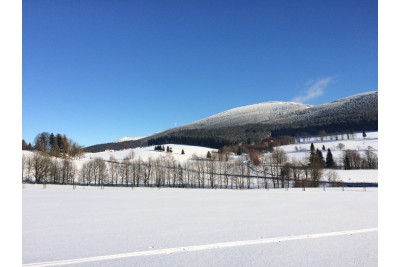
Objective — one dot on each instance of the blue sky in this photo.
(101, 70)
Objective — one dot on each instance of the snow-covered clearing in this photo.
(148, 152)
(61, 224)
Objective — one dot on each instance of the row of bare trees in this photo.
(352, 159)
(41, 168)
(165, 171)
(274, 170)
(323, 136)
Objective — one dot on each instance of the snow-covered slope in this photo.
(248, 114)
(290, 112)
(352, 108)
(127, 138)
(148, 152)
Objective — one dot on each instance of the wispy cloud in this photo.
(314, 90)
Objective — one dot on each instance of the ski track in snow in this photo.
(199, 248)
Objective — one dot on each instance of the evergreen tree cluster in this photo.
(26, 146)
(159, 148)
(317, 158)
(162, 148)
(57, 145)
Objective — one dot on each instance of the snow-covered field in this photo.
(281, 228)
(148, 152)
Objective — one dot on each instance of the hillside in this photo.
(253, 123)
(297, 151)
(257, 113)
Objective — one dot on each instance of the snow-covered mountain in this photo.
(253, 123)
(288, 112)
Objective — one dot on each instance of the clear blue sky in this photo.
(100, 70)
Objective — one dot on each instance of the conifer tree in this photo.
(60, 142)
(312, 154)
(320, 157)
(52, 140)
(42, 142)
(182, 152)
(65, 144)
(346, 162)
(54, 150)
(329, 159)
(323, 147)
(208, 155)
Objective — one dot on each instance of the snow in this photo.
(128, 138)
(60, 223)
(148, 152)
(353, 176)
(248, 114)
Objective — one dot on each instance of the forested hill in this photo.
(253, 123)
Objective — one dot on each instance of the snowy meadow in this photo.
(88, 226)
(190, 212)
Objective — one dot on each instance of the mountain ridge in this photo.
(252, 123)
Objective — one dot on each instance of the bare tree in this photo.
(148, 168)
(98, 170)
(68, 171)
(332, 176)
(40, 167)
(340, 146)
(316, 166)
(278, 159)
(112, 170)
(138, 165)
(54, 171)
(351, 159)
(210, 169)
(370, 160)
(24, 166)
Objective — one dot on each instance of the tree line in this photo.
(211, 171)
(56, 145)
(252, 168)
(42, 168)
